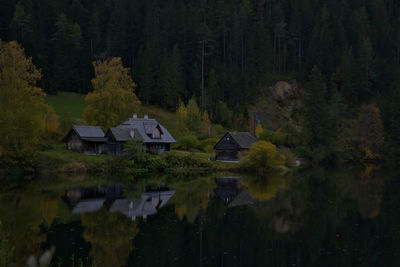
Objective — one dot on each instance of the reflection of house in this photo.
(233, 145)
(227, 190)
(153, 135)
(93, 198)
(85, 139)
(149, 204)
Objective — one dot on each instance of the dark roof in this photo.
(145, 128)
(243, 198)
(124, 134)
(243, 139)
(88, 131)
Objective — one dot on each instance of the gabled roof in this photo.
(243, 139)
(124, 134)
(145, 128)
(88, 131)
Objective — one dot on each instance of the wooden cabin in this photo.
(153, 135)
(117, 137)
(86, 139)
(233, 145)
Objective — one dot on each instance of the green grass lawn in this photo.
(73, 103)
(67, 102)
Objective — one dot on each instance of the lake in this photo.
(317, 217)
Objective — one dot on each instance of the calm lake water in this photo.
(318, 217)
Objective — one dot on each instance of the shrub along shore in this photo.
(59, 160)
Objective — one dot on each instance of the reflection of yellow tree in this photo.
(22, 219)
(191, 198)
(368, 192)
(50, 206)
(264, 188)
(110, 235)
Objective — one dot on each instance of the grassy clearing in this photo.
(67, 102)
(73, 103)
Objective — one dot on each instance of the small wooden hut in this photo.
(86, 139)
(233, 145)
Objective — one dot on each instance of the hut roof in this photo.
(145, 128)
(89, 131)
(243, 139)
(124, 134)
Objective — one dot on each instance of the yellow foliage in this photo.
(51, 122)
(113, 98)
(369, 131)
(263, 155)
(22, 103)
(265, 188)
(181, 114)
(50, 206)
(259, 130)
(110, 235)
(206, 123)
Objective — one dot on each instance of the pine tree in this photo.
(316, 115)
(172, 79)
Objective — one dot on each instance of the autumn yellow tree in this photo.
(51, 123)
(206, 123)
(22, 104)
(259, 130)
(113, 98)
(181, 114)
(369, 131)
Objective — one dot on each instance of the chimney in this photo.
(146, 116)
(135, 116)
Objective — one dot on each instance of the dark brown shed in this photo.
(233, 145)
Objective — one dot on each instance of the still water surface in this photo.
(343, 217)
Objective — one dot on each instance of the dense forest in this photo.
(345, 53)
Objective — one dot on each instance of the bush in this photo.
(207, 143)
(209, 149)
(188, 142)
(263, 156)
(289, 137)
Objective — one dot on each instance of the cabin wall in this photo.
(159, 148)
(115, 148)
(74, 143)
(93, 148)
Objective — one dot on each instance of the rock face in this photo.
(279, 105)
(282, 89)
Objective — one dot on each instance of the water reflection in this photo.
(93, 198)
(317, 217)
(229, 192)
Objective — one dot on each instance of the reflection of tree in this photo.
(192, 197)
(50, 206)
(264, 188)
(368, 192)
(21, 215)
(110, 235)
